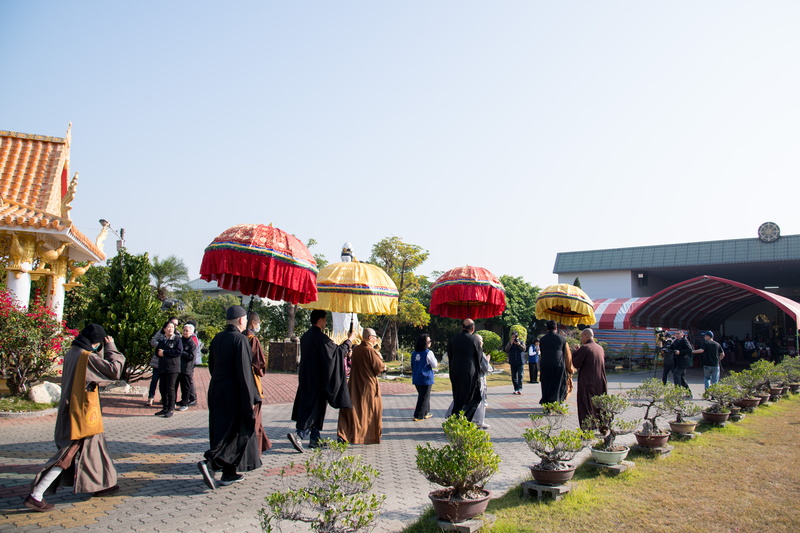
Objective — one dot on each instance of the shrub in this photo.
(498, 357)
(32, 339)
(465, 464)
(491, 340)
(337, 498)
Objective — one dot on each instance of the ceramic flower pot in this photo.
(763, 397)
(716, 418)
(610, 458)
(682, 428)
(453, 510)
(552, 477)
(652, 441)
(794, 387)
(748, 403)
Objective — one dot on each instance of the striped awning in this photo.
(615, 313)
(704, 302)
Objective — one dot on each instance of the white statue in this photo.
(341, 321)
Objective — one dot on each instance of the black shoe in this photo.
(314, 444)
(340, 440)
(160, 413)
(182, 408)
(297, 443)
(168, 414)
(107, 492)
(230, 480)
(192, 403)
(208, 476)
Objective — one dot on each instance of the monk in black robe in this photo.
(555, 366)
(321, 381)
(464, 352)
(232, 397)
(590, 361)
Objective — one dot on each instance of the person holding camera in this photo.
(668, 356)
(682, 349)
(516, 358)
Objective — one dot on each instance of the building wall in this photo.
(612, 284)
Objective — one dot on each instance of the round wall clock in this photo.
(769, 232)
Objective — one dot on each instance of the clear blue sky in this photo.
(489, 133)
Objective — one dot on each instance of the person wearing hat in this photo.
(712, 355)
(82, 461)
(232, 397)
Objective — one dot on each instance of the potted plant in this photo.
(463, 466)
(608, 423)
(655, 397)
(682, 409)
(791, 367)
(722, 395)
(748, 381)
(554, 446)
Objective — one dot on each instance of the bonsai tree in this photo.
(681, 407)
(553, 445)
(337, 497)
(722, 394)
(465, 464)
(791, 367)
(762, 372)
(607, 421)
(655, 397)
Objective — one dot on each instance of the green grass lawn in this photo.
(18, 405)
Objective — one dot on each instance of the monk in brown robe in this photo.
(363, 424)
(259, 370)
(590, 361)
(83, 460)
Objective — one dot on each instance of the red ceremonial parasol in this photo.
(255, 259)
(467, 292)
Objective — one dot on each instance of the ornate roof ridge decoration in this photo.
(32, 136)
(15, 214)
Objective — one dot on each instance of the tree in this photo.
(78, 300)
(399, 259)
(520, 303)
(128, 310)
(167, 275)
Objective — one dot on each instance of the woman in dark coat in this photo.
(169, 366)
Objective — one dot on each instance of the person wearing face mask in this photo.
(259, 369)
(82, 461)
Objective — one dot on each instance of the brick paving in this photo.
(161, 488)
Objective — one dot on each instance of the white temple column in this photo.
(19, 283)
(55, 295)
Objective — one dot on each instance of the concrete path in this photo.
(161, 489)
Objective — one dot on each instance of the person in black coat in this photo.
(553, 365)
(190, 354)
(168, 351)
(321, 380)
(464, 352)
(232, 393)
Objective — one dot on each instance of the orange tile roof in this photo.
(30, 169)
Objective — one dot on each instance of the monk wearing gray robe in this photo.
(83, 460)
(590, 361)
(363, 423)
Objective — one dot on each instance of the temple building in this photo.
(748, 287)
(37, 236)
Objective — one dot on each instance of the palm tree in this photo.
(167, 274)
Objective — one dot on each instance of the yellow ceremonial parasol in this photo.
(566, 304)
(354, 287)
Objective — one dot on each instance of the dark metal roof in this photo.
(730, 252)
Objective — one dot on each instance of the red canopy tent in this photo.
(705, 302)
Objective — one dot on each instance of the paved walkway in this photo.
(161, 489)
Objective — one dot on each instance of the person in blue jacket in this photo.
(533, 361)
(423, 363)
